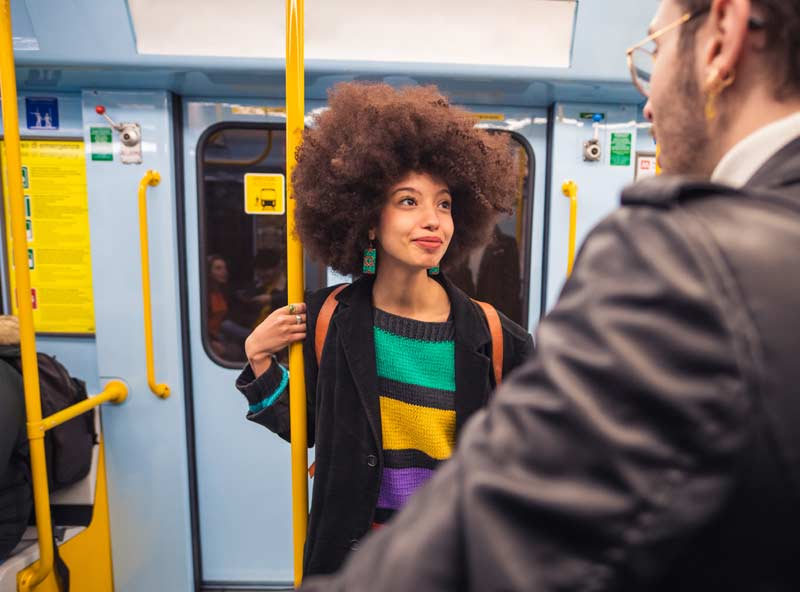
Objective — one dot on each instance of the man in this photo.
(653, 442)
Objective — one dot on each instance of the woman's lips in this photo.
(429, 243)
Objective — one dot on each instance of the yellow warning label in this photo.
(489, 116)
(57, 225)
(264, 193)
(255, 110)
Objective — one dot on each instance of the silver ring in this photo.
(299, 319)
(292, 309)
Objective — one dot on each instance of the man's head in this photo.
(739, 57)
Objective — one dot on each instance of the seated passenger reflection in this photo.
(390, 185)
(492, 274)
(269, 279)
(226, 337)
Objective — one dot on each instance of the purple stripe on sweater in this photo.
(398, 485)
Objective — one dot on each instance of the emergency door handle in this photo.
(570, 189)
(151, 178)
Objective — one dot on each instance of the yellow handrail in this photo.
(295, 119)
(30, 370)
(116, 391)
(151, 178)
(570, 189)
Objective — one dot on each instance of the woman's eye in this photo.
(408, 201)
(446, 205)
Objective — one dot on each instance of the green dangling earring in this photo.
(433, 270)
(370, 257)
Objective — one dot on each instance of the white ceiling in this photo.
(533, 33)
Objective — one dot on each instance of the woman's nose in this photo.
(431, 220)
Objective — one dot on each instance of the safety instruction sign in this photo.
(41, 113)
(621, 148)
(102, 143)
(265, 193)
(645, 165)
(57, 225)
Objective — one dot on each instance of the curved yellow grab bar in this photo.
(114, 392)
(295, 119)
(570, 189)
(151, 178)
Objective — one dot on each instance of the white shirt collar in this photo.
(739, 165)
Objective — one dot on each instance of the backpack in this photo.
(489, 311)
(68, 447)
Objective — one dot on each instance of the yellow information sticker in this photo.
(265, 194)
(57, 225)
(489, 116)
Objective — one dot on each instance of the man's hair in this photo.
(782, 31)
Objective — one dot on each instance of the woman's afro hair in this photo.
(368, 140)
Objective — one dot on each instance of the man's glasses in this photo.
(642, 55)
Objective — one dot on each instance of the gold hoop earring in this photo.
(714, 87)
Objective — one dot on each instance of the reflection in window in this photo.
(498, 272)
(244, 271)
(244, 256)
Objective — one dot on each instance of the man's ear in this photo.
(728, 29)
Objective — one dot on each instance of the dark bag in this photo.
(69, 446)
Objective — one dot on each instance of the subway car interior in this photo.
(152, 137)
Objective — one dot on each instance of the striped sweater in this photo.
(416, 380)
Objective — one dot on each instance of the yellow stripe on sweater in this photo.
(428, 430)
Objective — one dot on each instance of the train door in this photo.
(236, 275)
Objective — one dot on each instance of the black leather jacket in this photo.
(653, 442)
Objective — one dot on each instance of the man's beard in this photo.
(682, 129)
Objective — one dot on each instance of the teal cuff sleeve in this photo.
(263, 404)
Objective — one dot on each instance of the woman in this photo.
(390, 185)
(226, 336)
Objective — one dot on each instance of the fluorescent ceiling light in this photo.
(530, 33)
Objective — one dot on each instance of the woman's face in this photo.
(219, 271)
(416, 223)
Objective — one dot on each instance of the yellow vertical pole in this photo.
(658, 159)
(570, 189)
(30, 370)
(295, 118)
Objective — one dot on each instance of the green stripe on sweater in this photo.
(423, 363)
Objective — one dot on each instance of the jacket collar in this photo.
(354, 321)
(782, 170)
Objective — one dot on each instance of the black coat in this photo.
(344, 414)
(653, 441)
(16, 495)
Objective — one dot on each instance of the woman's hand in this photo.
(284, 326)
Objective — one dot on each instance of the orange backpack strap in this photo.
(496, 330)
(324, 321)
(321, 333)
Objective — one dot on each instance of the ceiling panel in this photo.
(528, 33)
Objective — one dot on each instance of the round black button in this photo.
(372, 460)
